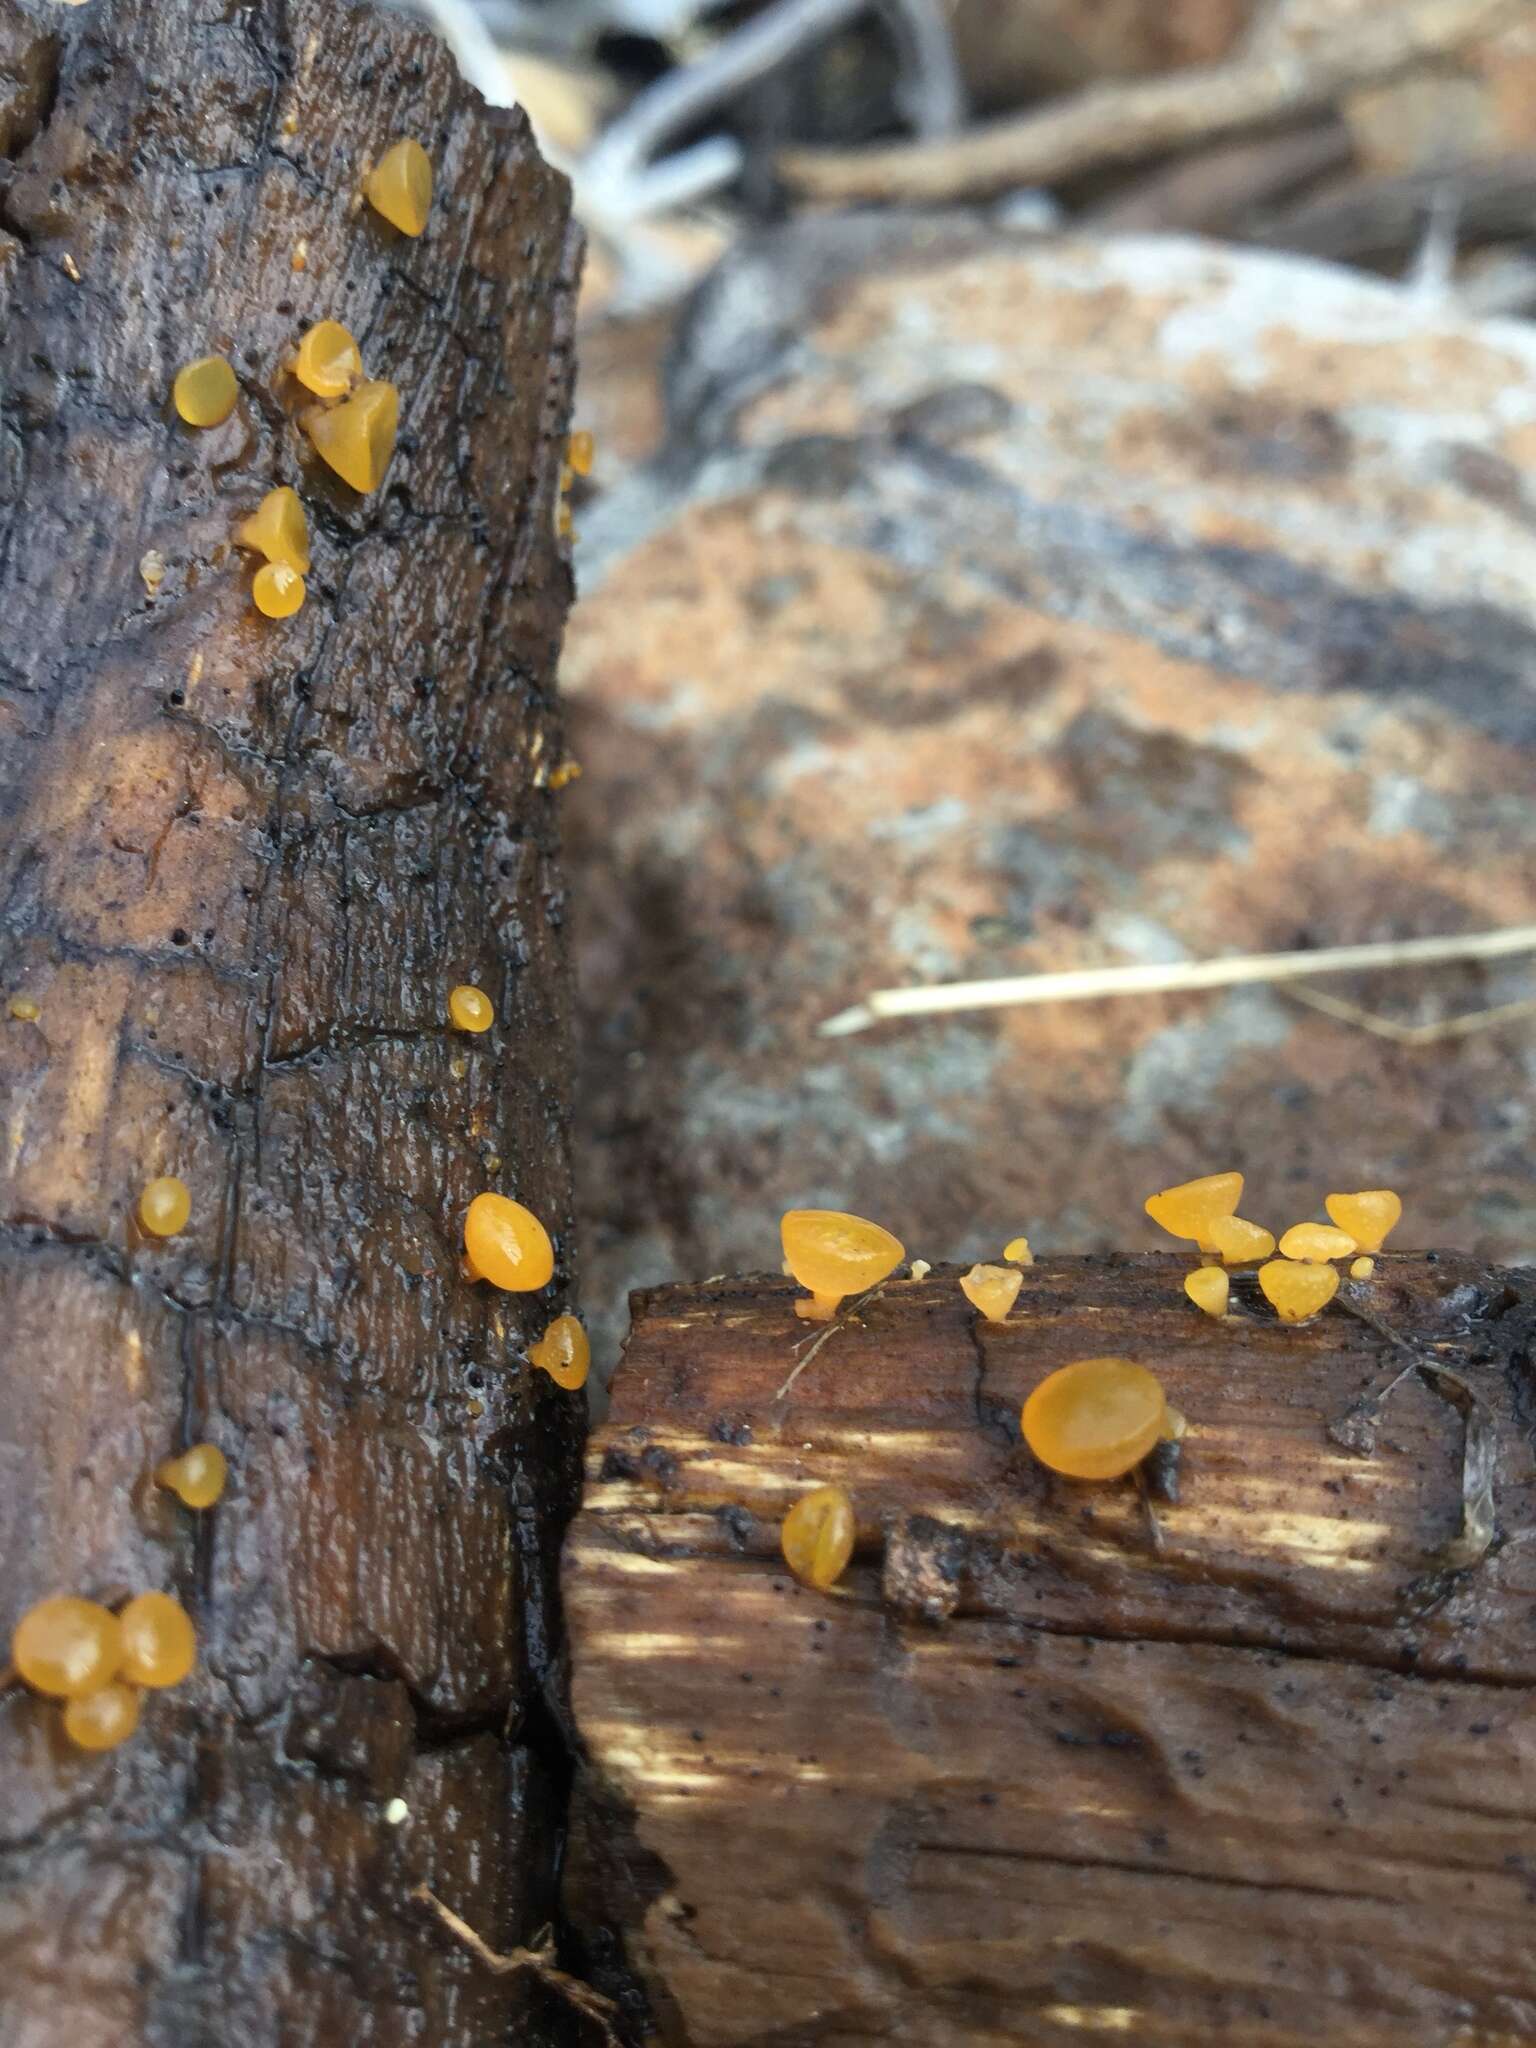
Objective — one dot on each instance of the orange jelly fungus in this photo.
(204, 392)
(1096, 1419)
(103, 1719)
(278, 529)
(1208, 1287)
(1316, 1243)
(1369, 1217)
(470, 1009)
(1238, 1241)
(165, 1205)
(277, 591)
(1362, 1269)
(1295, 1291)
(357, 437)
(159, 1644)
(1017, 1252)
(817, 1537)
(1190, 1209)
(400, 186)
(564, 1353)
(327, 361)
(507, 1245)
(197, 1477)
(581, 452)
(24, 1009)
(992, 1290)
(67, 1647)
(834, 1254)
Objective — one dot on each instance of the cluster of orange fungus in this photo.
(399, 187)
(992, 1290)
(159, 1645)
(1208, 1287)
(1191, 1209)
(277, 590)
(469, 1009)
(1315, 1244)
(564, 1353)
(204, 392)
(507, 1245)
(197, 1477)
(165, 1205)
(817, 1537)
(357, 437)
(1295, 1291)
(834, 1254)
(328, 361)
(67, 1647)
(1369, 1217)
(1239, 1242)
(278, 529)
(1096, 1419)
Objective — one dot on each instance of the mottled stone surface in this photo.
(996, 605)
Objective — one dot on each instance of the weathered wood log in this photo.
(243, 863)
(1043, 1768)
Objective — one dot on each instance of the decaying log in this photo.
(243, 862)
(1056, 1763)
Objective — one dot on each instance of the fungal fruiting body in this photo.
(1240, 1242)
(1370, 1217)
(165, 1205)
(1316, 1243)
(832, 1254)
(277, 591)
(1295, 1291)
(564, 1353)
(1095, 1419)
(67, 1647)
(159, 1645)
(1017, 1252)
(400, 186)
(196, 1477)
(1208, 1287)
(507, 1245)
(1362, 1269)
(1190, 1209)
(101, 1720)
(24, 1009)
(817, 1536)
(992, 1290)
(327, 361)
(581, 452)
(278, 529)
(469, 1009)
(357, 437)
(204, 392)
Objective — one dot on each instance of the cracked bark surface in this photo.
(242, 864)
(1029, 1776)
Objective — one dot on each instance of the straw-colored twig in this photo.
(536, 1961)
(1158, 978)
(1466, 1026)
(825, 1336)
(1124, 121)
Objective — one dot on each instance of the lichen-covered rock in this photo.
(997, 605)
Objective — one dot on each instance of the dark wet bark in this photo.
(241, 864)
(1043, 1770)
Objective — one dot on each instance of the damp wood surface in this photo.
(1033, 1774)
(242, 863)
